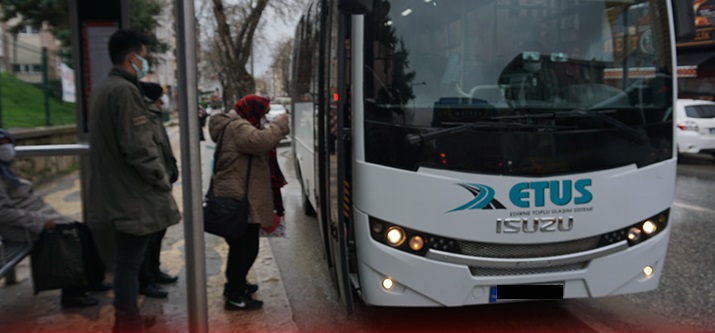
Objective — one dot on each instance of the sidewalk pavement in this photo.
(21, 311)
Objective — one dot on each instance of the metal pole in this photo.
(82, 126)
(191, 167)
(126, 11)
(1, 74)
(45, 85)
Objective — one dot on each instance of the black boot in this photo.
(153, 291)
(163, 278)
(77, 301)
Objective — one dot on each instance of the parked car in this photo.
(275, 110)
(695, 120)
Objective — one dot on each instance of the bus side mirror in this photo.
(355, 6)
(684, 17)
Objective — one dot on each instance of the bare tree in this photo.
(281, 64)
(236, 26)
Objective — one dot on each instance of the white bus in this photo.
(466, 152)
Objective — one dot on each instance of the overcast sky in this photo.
(275, 30)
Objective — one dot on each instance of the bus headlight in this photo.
(648, 271)
(645, 229)
(649, 227)
(377, 227)
(395, 236)
(409, 240)
(387, 283)
(416, 243)
(634, 234)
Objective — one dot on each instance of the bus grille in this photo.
(489, 271)
(493, 250)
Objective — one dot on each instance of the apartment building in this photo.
(22, 51)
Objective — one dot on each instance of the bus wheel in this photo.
(308, 207)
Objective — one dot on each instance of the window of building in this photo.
(30, 30)
(27, 68)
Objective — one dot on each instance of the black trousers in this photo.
(150, 266)
(129, 255)
(242, 254)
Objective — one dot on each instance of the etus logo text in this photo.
(530, 194)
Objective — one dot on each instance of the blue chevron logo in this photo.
(483, 198)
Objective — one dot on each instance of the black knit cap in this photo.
(152, 90)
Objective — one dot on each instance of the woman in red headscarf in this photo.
(248, 143)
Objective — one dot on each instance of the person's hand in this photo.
(282, 121)
(50, 224)
(282, 118)
(202, 113)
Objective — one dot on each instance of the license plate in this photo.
(526, 292)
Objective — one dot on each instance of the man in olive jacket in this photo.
(129, 182)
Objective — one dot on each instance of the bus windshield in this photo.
(517, 87)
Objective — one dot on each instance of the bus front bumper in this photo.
(420, 281)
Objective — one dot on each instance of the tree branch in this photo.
(224, 30)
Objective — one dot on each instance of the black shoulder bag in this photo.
(224, 216)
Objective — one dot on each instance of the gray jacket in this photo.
(23, 214)
(129, 183)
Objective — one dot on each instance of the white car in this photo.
(695, 120)
(275, 110)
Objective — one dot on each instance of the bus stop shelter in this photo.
(91, 23)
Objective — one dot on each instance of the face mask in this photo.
(7, 152)
(264, 122)
(145, 67)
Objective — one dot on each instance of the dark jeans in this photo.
(242, 254)
(129, 257)
(150, 267)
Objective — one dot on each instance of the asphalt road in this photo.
(684, 302)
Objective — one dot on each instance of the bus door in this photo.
(338, 148)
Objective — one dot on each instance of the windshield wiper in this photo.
(414, 139)
(598, 114)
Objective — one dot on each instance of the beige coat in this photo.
(240, 141)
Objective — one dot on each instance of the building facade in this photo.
(696, 57)
(22, 51)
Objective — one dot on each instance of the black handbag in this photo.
(223, 216)
(57, 260)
